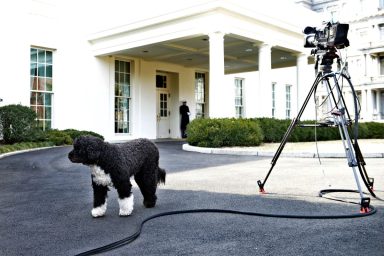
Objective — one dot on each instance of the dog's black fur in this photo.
(138, 158)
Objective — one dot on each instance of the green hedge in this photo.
(224, 132)
(274, 130)
(76, 133)
(18, 129)
(59, 137)
(39, 138)
(16, 123)
(227, 132)
(23, 146)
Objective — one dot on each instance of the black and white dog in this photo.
(113, 165)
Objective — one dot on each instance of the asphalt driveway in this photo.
(46, 202)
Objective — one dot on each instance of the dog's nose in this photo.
(70, 155)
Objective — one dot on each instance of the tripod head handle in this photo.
(326, 57)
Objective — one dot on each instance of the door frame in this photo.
(163, 120)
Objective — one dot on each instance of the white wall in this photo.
(14, 85)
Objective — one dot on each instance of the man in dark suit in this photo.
(184, 112)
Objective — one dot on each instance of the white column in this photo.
(217, 90)
(363, 114)
(265, 81)
(302, 84)
(369, 105)
(378, 104)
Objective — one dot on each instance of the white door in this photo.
(163, 128)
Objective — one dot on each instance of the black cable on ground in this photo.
(131, 238)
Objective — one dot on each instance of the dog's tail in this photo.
(161, 176)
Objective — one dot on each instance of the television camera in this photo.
(332, 35)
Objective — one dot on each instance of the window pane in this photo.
(125, 91)
(48, 124)
(40, 98)
(33, 98)
(49, 57)
(48, 113)
(33, 55)
(126, 79)
(40, 112)
(33, 69)
(127, 67)
(121, 66)
(41, 71)
(41, 86)
(41, 56)
(49, 71)
(48, 84)
(33, 83)
(47, 97)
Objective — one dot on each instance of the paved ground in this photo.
(46, 201)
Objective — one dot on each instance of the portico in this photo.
(217, 39)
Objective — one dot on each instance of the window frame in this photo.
(239, 97)
(41, 85)
(122, 97)
(200, 94)
(273, 89)
(288, 101)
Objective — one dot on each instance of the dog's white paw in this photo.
(99, 211)
(126, 206)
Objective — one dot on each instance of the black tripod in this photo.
(341, 119)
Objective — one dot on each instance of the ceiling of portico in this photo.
(241, 55)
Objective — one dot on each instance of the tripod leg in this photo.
(352, 151)
(368, 182)
(289, 132)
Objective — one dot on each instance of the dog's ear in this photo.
(94, 149)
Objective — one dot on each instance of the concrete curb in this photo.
(24, 151)
(255, 152)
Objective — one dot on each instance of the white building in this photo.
(366, 53)
(121, 69)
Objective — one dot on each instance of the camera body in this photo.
(332, 35)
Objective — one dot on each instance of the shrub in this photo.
(76, 133)
(23, 145)
(251, 132)
(16, 121)
(224, 132)
(66, 137)
(373, 130)
(273, 129)
(58, 137)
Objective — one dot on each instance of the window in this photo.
(239, 97)
(161, 81)
(273, 99)
(382, 65)
(122, 96)
(362, 34)
(288, 101)
(200, 94)
(381, 31)
(41, 86)
(163, 104)
(381, 4)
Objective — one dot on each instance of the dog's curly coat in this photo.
(114, 164)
